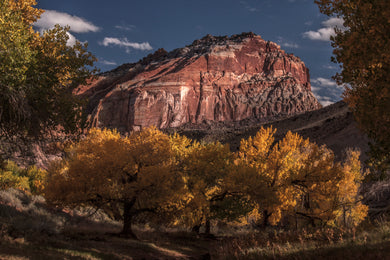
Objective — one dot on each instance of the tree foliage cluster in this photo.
(363, 52)
(30, 180)
(183, 182)
(37, 73)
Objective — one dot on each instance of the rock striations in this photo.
(220, 79)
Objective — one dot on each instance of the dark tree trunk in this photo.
(207, 227)
(196, 228)
(266, 218)
(127, 219)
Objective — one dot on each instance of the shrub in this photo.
(30, 179)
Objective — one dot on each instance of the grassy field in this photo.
(29, 229)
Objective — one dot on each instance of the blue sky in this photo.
(123, 31)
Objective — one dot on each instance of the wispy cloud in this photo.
(144, 46)
(294, 1)
(326, 91)
(324, 100)
(309, 23)
(324, 82)
(127, 27)
(248, 7)
(288, 44)
(77, 24)
(330, 67)
(106, 62)
(324, 34)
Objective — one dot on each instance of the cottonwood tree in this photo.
(276, 166)
(206, 167)
(363, 52)
(37, 74)
(351, 211)
(330, 190)
(318, 183)
(132, 175)
(295, 177)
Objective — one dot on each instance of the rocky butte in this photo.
(220, 79)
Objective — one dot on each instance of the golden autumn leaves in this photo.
(37, 74)
(363, 52)
(184, 182)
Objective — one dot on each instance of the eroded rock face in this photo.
(213, 79)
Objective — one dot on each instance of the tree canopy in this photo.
(296, 178)
(184, 182)
(132, 175)
(363, 52)
(37, 73)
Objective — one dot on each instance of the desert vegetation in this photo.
(174, 183)
(291, 183)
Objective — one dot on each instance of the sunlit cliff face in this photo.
(213, 79)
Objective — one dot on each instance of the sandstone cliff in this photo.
(226, 79)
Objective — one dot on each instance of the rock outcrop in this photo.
(226, 79)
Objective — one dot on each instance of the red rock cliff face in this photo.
(213, 79)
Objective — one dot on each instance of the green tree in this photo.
(37, 74)
(363, 52)
(124, 176)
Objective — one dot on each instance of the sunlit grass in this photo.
(372, 241)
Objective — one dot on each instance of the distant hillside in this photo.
(333, 126)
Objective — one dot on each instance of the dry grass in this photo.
(327, 243)
(29, 229)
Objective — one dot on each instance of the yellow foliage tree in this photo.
(107, 170)
(363, 52)
(331, 189)
(318, 181)
(38, 73)
(29, 179)
(206, 167)
(296, 177)
(351, 211)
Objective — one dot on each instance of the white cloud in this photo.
(326, 91)
(330, 67)
(106, 62)
(78, 25)
(322, 97)
(144, 46)
(325, 102)
(285, 43)
(324, 34)
(334, 22)
(128, 27)
(324, 82)
(72, 40)
(290, 45)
